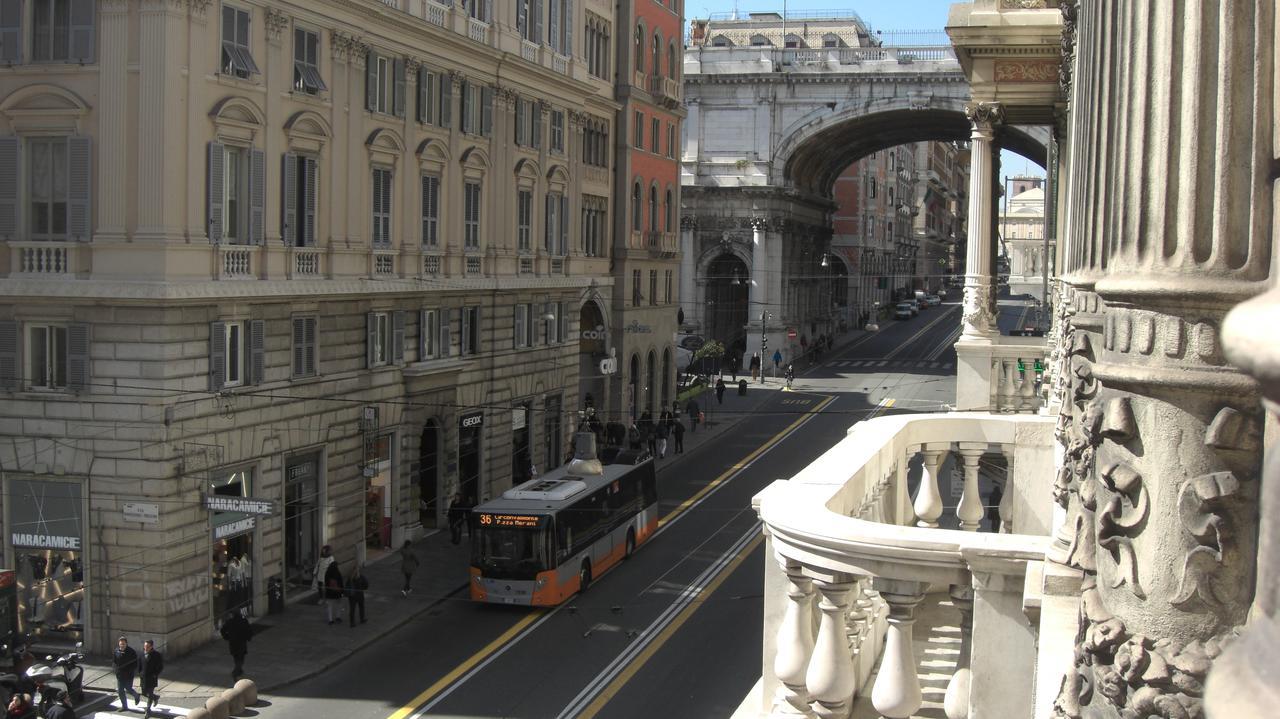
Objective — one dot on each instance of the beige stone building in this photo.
(332, 257)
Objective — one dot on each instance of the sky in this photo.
(883, 15)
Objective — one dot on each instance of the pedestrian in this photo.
(332, 593)
(694, 413)
(633, 436)
(150, 664)
(356, 586)
(661, 432)
(790, 375)
(237, 632)
(993, 508)
(777, 360)
(734, 365)
(61, 707)
(125, 662)
(677, 431)
(720, 391)
(409, 560)
(457, 516)
(317, 572)
(755, 366)
(647, 433)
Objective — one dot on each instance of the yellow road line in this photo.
(685, 505)
(533, 616)
(466, 666)
(607, 694)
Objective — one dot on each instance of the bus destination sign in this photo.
(517, 521)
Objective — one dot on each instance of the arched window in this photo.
(673, 67)
(668, 213)
(721, 41)
(657, 55)
(635, 208)
(653, 209)
(760, 41)
(639, 49)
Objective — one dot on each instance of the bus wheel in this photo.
(631, 543)
(584, 577)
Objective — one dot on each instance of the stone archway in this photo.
(430, 508)
(727, 293)
(593, 348)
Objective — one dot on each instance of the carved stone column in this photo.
(831, 679)
(979, 293)
(896, 693)
(795, 638)
(688, 270)
(759, 288)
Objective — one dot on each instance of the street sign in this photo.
(791, 333)
(144, 512)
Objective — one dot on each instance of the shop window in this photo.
(46, 534)
(233, 559)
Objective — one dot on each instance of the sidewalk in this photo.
(297, 644)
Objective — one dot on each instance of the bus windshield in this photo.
(511, 553)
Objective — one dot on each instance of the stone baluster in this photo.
(1027, 388)
(956, 701)
(1003, 377)
(970, 510)
(831, 678)
(928, 503)
(1007, 493)
(795, 638)
(896, 693)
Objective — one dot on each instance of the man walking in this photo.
(125, 662)
(149, 667)
(318, 572)
(457, 517)
(332, 594)
(720, 391)
(677, 431)
(693, 411)
(356, 585)
(237, 632)
(409, 560)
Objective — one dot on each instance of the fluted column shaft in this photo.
(970, 510)
(155, 66)
(979, 322)
(113, 121)
(831, 679)
(688, 293)
(795, 638)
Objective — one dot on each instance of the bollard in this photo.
(200, 713)
(249, 691)
(235, 700)
(218, 708)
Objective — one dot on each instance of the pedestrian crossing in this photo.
(159, 711)
(874, 364)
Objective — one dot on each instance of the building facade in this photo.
(1022, 231)
(279, 275)
(942, 189)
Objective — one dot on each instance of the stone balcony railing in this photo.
(842, 532)
(43, 259)
(234, 262)
(1000, 375)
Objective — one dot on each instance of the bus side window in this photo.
(649, 486)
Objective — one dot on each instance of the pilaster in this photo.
(113, 119)
(158, 20)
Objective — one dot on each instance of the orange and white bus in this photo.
(545, 539)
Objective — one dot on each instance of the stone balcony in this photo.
(1001, 374)
(855, 563)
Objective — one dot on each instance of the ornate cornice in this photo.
(987, 114)
(348, 49)
(1069, 11)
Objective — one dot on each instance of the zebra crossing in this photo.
(879, 364)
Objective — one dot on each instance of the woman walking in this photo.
(408, 565)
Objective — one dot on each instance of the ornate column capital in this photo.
(760, 224)
(984, 116)
(276, 23)
(688, 222)
(346, 48)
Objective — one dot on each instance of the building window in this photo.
(57, 356)
(384, 84)
(428, 334)
(653, 209)
(528, 123)
(527, 21)
(639, 138)
(381, 207)
(430, 211)
(560, 26)
(470, 330)
(385, 338)
(471, 215)
(47, 356)
(597, 49)
(477, 109)
(235, 353)
(720, 41)
(668, 214)
(635, 208)
(635, 288)
(760, 41)
(653, 287)
(435, 98)
(657, 55)
(639, 50)
(557, 131)
(595, 143)
(478, 9)
(593, 223)
(306, 64)
(551, 323)
(556, 236)
(298, 221)
(671, 140)
(304, 346)
(654, 135)
(524, 322)
(236, 57)
(524, 220)
(666, 294)
(237, 194)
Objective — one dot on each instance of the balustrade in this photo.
(842, 532)
(478, 31)
(1000, 376)
(436, 13)
(384, 263)
(305, 263)
(474, 265)
(234, 262)
(42, 258)
(431, 265)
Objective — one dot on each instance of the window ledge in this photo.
(319, 99)
(243, 84)
(426, 368)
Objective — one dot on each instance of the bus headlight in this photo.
(542, 582)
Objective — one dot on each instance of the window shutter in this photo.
(548, 218)
(257, 196)
(563, 249)
(477, 339)
(299, 346)
(421, 111)
(446, 101)
(535, 109)
(215, 187)
(289, 205)
(537, 22)
(563, 315)
(77, 357)
(488, 11)
(446, 328)
(8, 355)
(486, 111)
(398, 71)
(79, 185)
(310, 343)
(568, 28)
(370, 81)
(371, 338)
(311, 177)
(397, 337)
(9, 179)
(520, 117)
(424, 330)
(522, 17)
(376, 215)
(11, 31)
(554, 27)
(515, 327)
(257, 350)
(464, 107)
(82, 30)
(217, 355)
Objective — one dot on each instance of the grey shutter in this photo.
(568, 28)
(515, 328)
(446, 331)
(289, 203)
(537, 22)
(371, 337)
(217, 355)
(547, 214)
(9, 179)
(11, 31)
(377, 207)
(477, 336)
(421, 111)
(397, 67)
(446, 100)
(257, 350)
(77, 357)
(370, 81)
(554, 27)
(79, 187)
(423, 329)
(309, 209)
(8, 354)
(564, 321)
(563, 249)
(520, 115)
(216, 180)
(486, 110)
(536, 109)
(311, 345)
(299, 346)
(82, 30)
(522, 17)
(397, 337)
(488, 11)
(257, 196)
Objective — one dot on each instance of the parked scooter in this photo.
(56, 673)
(15, 681)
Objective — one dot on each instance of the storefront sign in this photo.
(140, 512)
(518, 418)
(301, 471)
(230, 529)
(45, 514)
(471, 420)
(243, 505)
(44, 541)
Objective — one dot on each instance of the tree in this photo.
(711, 350)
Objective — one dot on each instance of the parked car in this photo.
(904, 311)
(934, 300)
(915, 307)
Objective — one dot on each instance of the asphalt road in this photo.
(676, 630)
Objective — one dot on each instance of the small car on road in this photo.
(903, 311)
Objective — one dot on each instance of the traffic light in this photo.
(764, 343)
